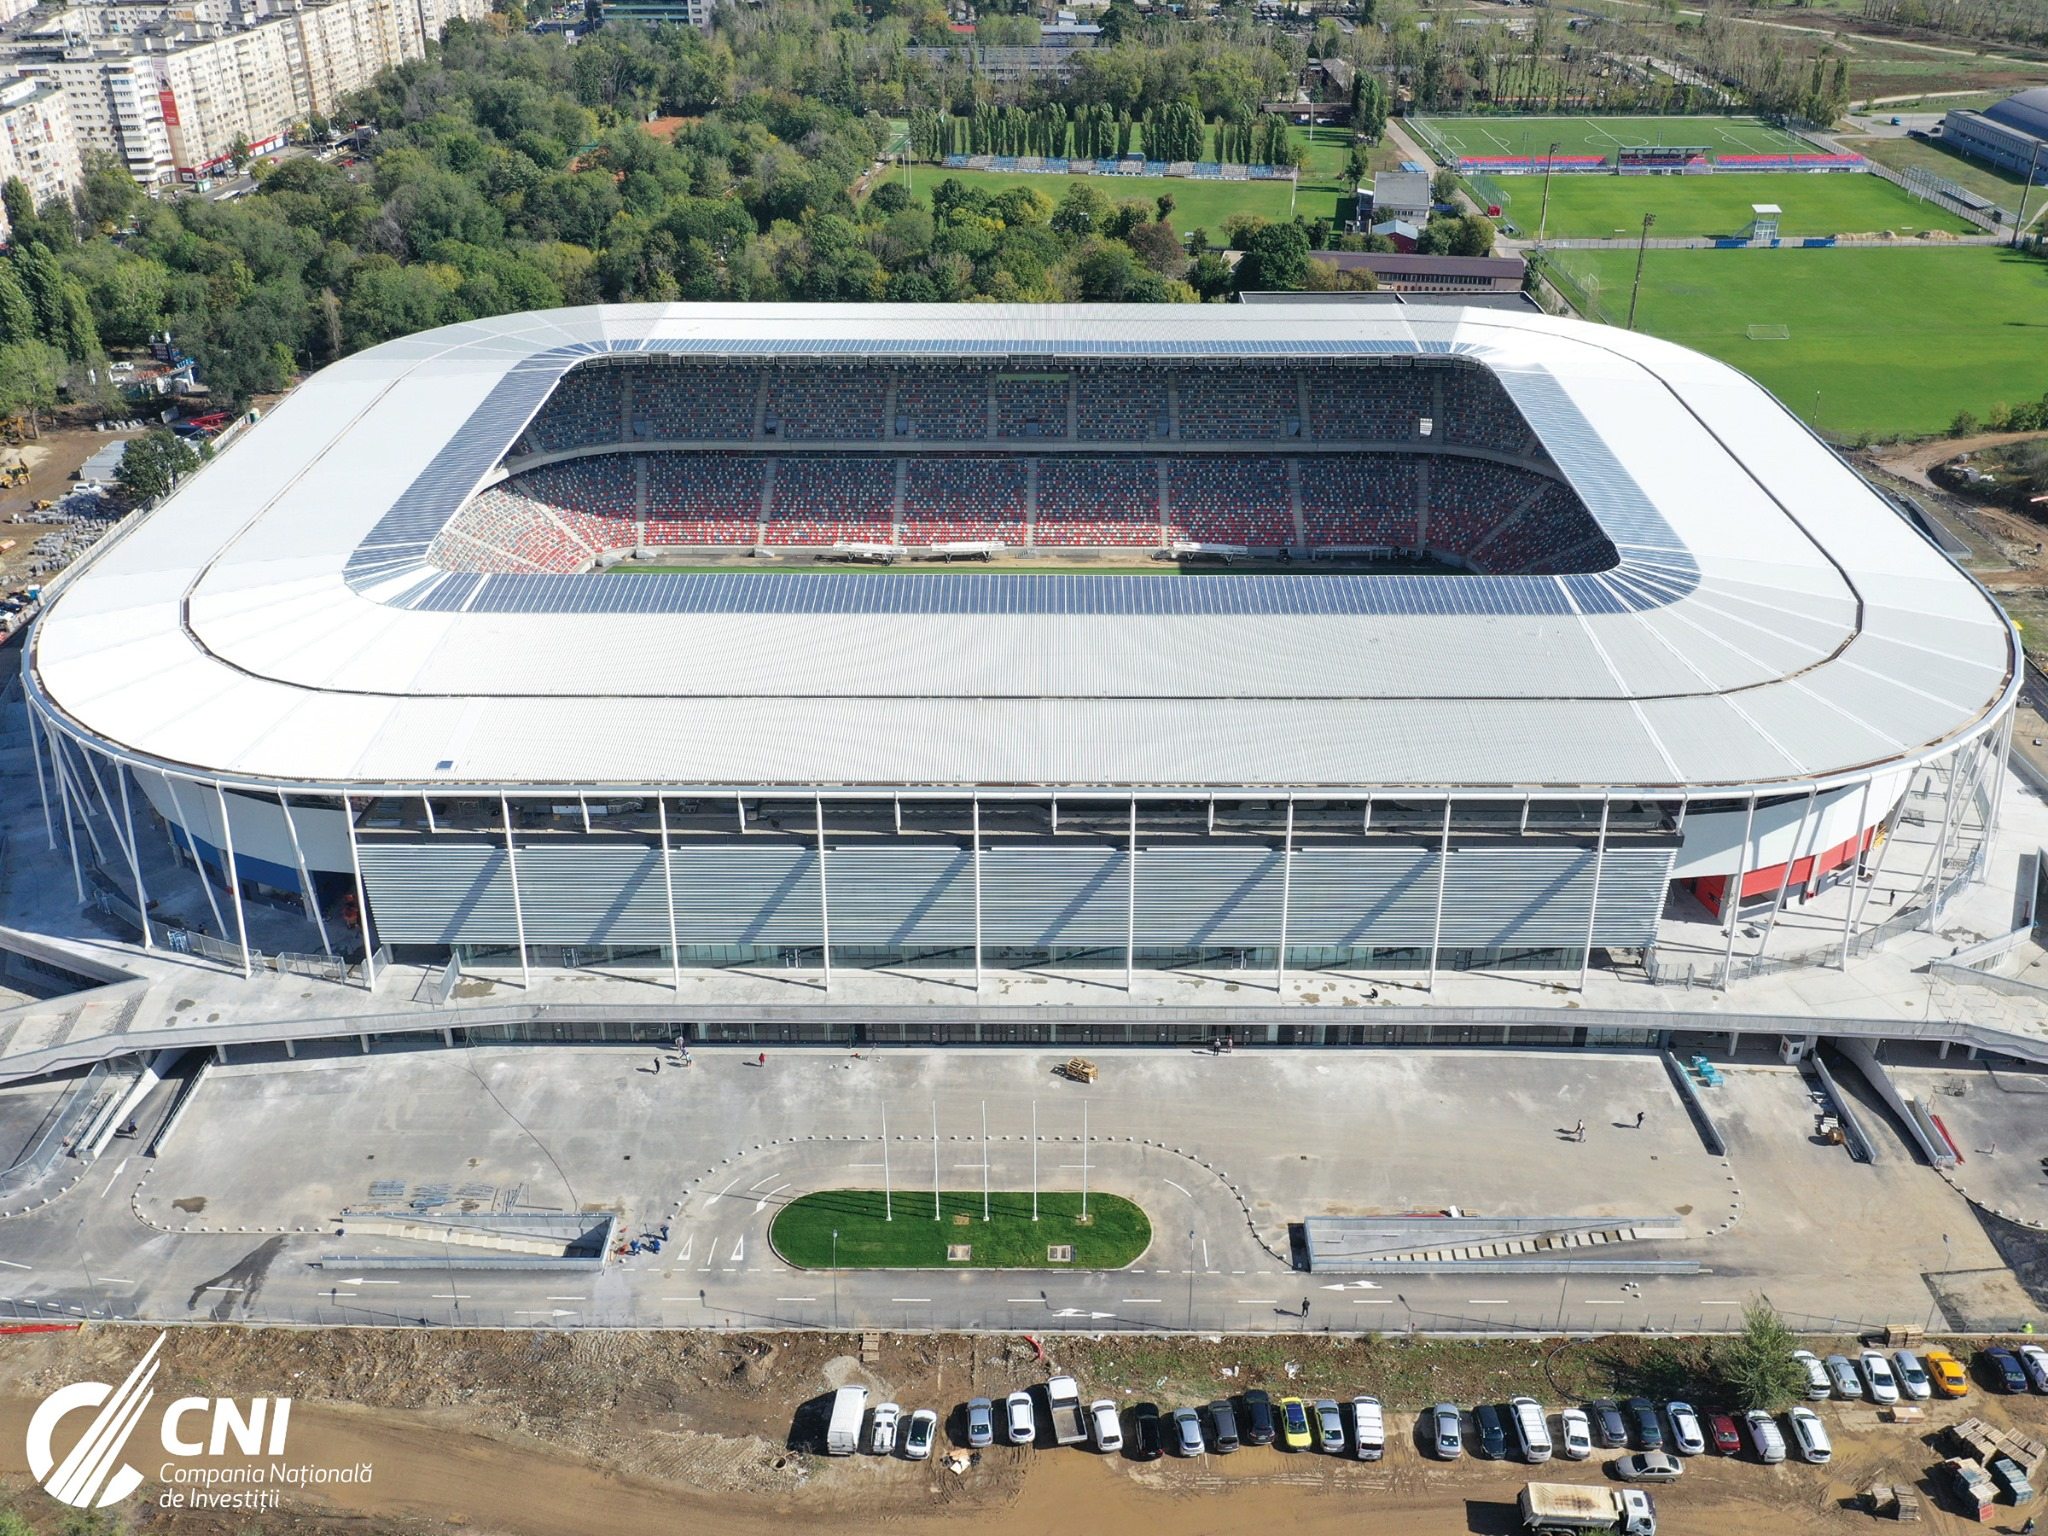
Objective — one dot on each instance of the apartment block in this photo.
(36, 142)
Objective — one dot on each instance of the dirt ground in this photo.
(52, 460)
(560, 1434)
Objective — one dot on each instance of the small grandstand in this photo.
(664, 458)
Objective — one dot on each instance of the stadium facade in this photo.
(1523, 631)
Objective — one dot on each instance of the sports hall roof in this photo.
(1772, 619)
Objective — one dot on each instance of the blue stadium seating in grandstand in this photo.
(703, 498)
(952, 500)
(1232, 405)
(1119, 405)
(1229, 499)
(948, 404)
(826, 404)
(1030, 405)
(1356, 405)
(683, 403)
(824, 500)
(1477, 412)
(585, 410)
(1088, 501)
(1468, 498)
(1359, 500)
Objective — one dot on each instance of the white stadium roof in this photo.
(1773, 620)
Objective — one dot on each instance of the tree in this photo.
(17, 314)
(1275, 257)
(30, 372)
(153, 463)
(1756, 1366)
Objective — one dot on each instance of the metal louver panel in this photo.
(439, 893)
(1201, 896)
(1054, 896)
(592, 893)
(905, 897)
(764, 892)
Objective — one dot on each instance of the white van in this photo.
(1532, 1434)
(1810, 1436)
(1369, 1427)
(842, 1434)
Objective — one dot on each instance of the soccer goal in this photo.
(1770, 333)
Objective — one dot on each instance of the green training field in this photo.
(1116, 1231)
(1612, 207)
(1603, 135)
(1883, 341)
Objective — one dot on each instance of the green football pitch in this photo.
(1873, 339)
(1603, 135)
(1612, 207)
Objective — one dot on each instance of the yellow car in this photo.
(1294, 1428)
(1946, 1372)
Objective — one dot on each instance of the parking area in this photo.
(1998, 1119)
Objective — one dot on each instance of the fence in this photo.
(59, 1132)
(204, 946)
(1938, 190)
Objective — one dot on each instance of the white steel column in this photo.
(1731, 893)
(107, 801)
(64, 810)
(312, 897)
(1948, 807)
(1286, 899)
(977, 890)
(668, 890)
(1855, 874)
(1898, 815)
(227, 839)
(824, 905)
(1443, 871)
(35, 753)
(1131, 905)
(355, 864)
(80, 801)
(1599, 868)
(1785, 880)
(134, 858)
(192, 847)
(518, 909)
(2003, 766)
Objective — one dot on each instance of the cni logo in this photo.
(93, 1475)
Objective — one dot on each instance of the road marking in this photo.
(12, 1265)
(925, 1299)
(111, 1280)
(796, 1298)
(739, 1250)
(1257, 1301)
(1021, 1300)
(448, 1296)
(684, 1255)
(1371, 1301)
(1717, 1303)
(563, 1298)
(721, 1194)
(113, 1176)
(1182, 1188)
(220, 1287)
(1139, 1301)
(558, 1312)
(1599, 1301)
(761, 1204)
(1486, 1301)
(1205, 1253)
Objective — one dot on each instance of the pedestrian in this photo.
(1639, 1119)
(2028, 1528)
(1579, 1131)
(761, 1060)
(657, 1063)
(1304, 1306)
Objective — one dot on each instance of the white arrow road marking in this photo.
(113, 1176)
(1182, 1188)
(761, 1204)
(558, 1312)
(721, 1194)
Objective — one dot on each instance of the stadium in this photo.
(1290, 638)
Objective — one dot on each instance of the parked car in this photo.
(1809, 1435)
(1294, 1424)
(2002, 1370)
(1020, 1422)
(1642, 1422)
(1648, 1467)
(1329, 1427)
(1368, 1428)
(1764, 1437)
(1688, 1436)
(1912, 1375)
(1256, 1423)
(1186, 1437)
(1444, 1436)
(2034, 1361)
(882, 1432)
(1103, 1427)
(1817, 1384)
(1145, 1436)
(1878, 1380)
(1842, 1376)
(1947, 1373)
(1721, 1431)
(1489, 1434)
(1223, 1426)
(1610, 1429)
(1575, 1434)
(1529, 1430)
(981, 1424)
(919, 1434)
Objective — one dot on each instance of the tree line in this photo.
(1177, 131)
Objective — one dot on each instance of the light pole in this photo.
(835, 1277)
(1191, 1279)
(1543, 223)
(1642, 246)
(2019, 222)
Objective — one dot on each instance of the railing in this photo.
(57, 1135)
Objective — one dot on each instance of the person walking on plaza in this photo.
(1639, 1119)
(1304, 1306)
(1579, 1131)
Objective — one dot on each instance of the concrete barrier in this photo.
(1933, 1146)
(1695, 1106)
(1853, 1134)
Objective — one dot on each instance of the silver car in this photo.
(1186, 1436)
(1688, 1438)
(1912, 1375)
(1444, 1434)
(981, 1422)
(1842, 1373)
(1329, 1427)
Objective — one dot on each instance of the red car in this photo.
(1721, 1431)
